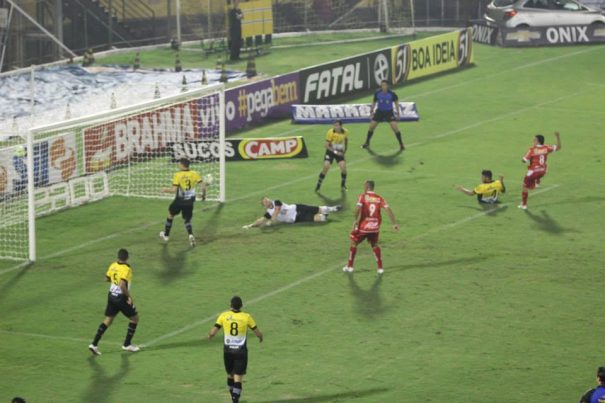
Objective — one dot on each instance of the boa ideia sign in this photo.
(337, 79)
(242, 149)
(348, 113)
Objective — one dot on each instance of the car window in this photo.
(567, 5)
(504, 3)
(544, 4)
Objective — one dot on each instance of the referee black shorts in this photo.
(236, 363)
(306, 213)
(383, 116)
(117, 304)
(177, 207)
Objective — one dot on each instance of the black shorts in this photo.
(306, 213)
(383, 116)
(330, 157)
(119, 304)
(178, 207)
(236, 363)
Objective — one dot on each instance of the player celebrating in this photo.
(536, 157)
(235, 325)
(367, 224)
(277, 211)
(184, 184)
(488, 191)
(119, 299)
(386, 103)
(337, 142)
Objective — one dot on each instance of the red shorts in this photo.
(532, 178)
(358, 237)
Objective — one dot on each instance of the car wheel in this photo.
(598, 23)
(522, 26)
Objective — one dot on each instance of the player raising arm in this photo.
(279, 212)
(367, 223)
(235, 324)
(337, 143)
(184, 185)
(488, 191)
(536, 157)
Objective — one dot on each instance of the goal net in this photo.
(131, 152)
(13, 199)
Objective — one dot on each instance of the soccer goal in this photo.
(130, 151)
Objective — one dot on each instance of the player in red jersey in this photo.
(367, 224)
(536, 157)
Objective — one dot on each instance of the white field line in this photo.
(310, 277)
(280, 290)
(305, 178)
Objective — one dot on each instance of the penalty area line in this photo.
(326, 271)
(270, 294)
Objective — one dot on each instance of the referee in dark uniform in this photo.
(597, 394)
(387, 110)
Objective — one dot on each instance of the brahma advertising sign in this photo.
(241, 149)
(149, 134)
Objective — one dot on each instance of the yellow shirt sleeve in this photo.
(175, 179)
(221, 320)
(479, 189)
(125, 273)
(499, 186)
(198, 178)
(329, 135)
(251, 322)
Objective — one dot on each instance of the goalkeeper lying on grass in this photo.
(278, 211)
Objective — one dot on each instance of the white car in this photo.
(540, 13)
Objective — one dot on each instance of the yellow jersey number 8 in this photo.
(234, 331)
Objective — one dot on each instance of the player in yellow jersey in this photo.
(235, 324)
(488, 191)
(337, 143)
(119, 300)
(184, 184)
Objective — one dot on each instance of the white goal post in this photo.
(122, 152)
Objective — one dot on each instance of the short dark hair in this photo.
(184, 162)
(18, 400)
(338, 121)
(371, 184)
(540, 138)
(487, 173)
(601, 374)
(236, 303)
(123, 255)
(385, 82)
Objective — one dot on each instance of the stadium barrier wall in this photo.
(347, 113)
(554, 35)
(252, 103)
(249, 149)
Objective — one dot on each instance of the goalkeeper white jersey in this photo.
(287, 214)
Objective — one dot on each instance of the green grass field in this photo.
(473, 307)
